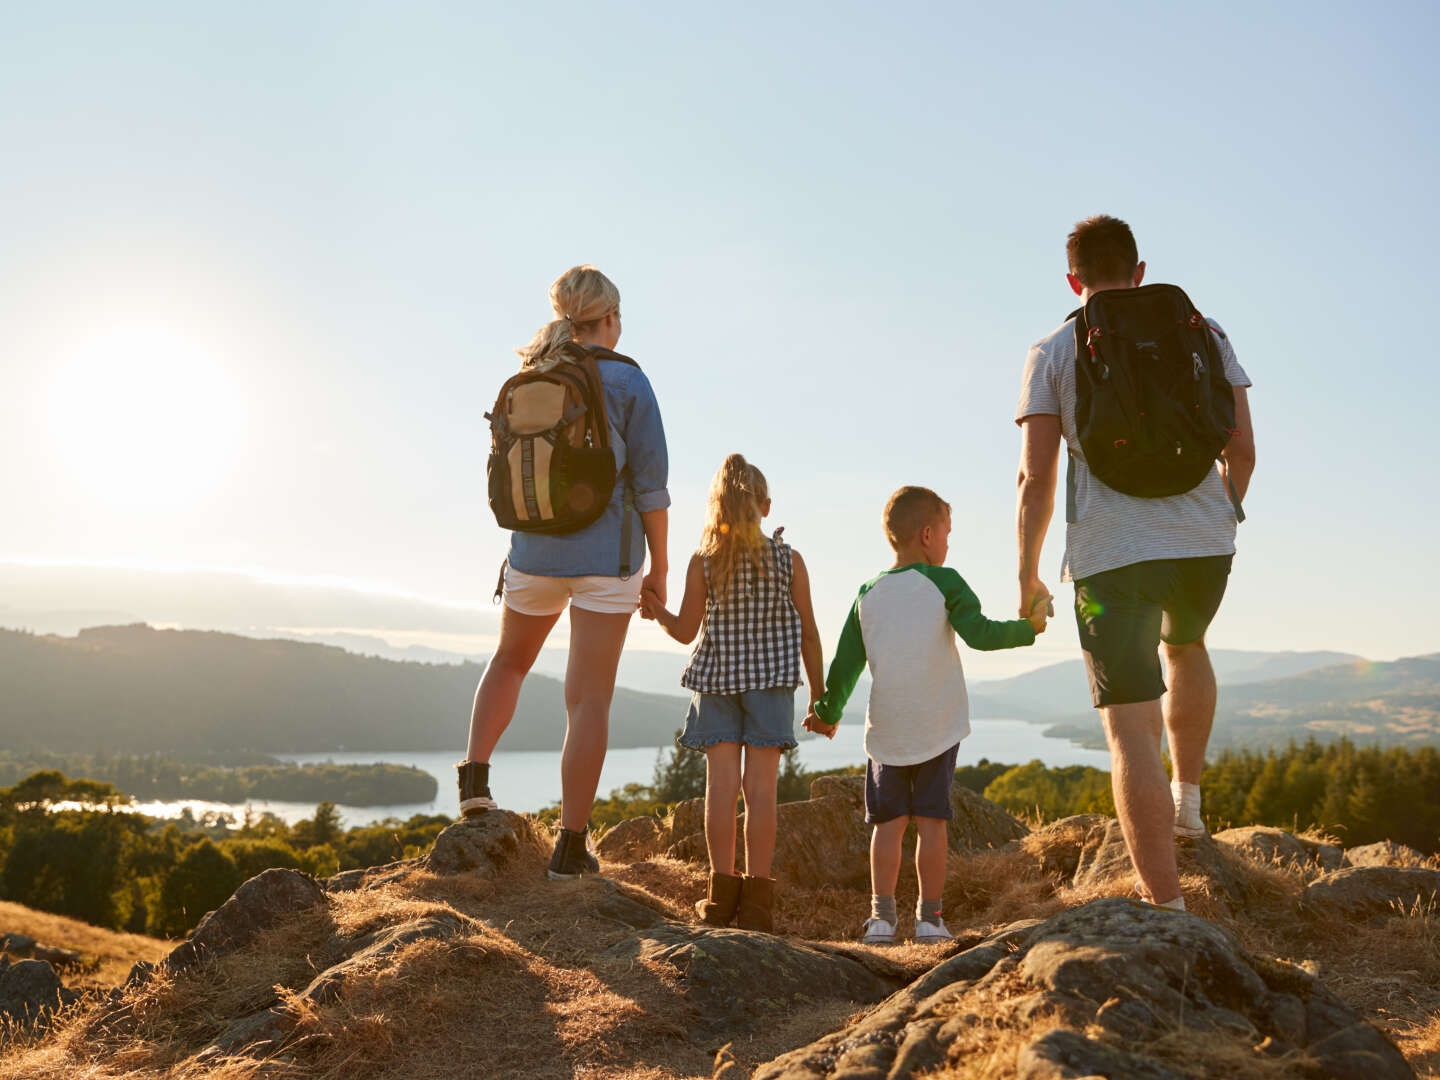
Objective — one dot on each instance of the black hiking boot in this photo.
(572, 858)
(474, 777)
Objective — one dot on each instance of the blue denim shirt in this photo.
(638, 439)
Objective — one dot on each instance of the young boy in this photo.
(904, 623)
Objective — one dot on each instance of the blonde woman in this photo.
(581, 569)
(748, 597)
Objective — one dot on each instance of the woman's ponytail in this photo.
(581, 297)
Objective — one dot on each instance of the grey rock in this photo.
(261, 903)
(1265, 845)
(17, 944)
(376, 949)
(1104, 858)
(369, 877)
(635, 839)
(257, 1032)
(57, 957)
(482, 845)
(1122, 970)
(737, 979)
(1364, 892)
(1383, 853)
(30, 990)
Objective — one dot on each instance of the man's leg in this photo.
(1189, 708)
(1142, 795)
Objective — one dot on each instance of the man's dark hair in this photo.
(1101, 250)
(909, 510)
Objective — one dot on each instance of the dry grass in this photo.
(110, 955)
(528, 987)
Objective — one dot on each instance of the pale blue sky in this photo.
(263, 268)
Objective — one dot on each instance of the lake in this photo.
(531, 780)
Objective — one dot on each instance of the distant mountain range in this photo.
(137, 689)
(1395, 703)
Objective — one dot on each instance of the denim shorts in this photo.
(922, 790)
(755, 718)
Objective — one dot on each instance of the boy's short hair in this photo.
(909, 510)
(1101, 250)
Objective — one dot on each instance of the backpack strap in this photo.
(627, 527)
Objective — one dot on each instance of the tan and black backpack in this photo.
(551, 467)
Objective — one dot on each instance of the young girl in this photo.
(748, 597)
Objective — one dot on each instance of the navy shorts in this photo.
(922, 790)
(755, 718)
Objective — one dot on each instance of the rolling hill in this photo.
(136, 689)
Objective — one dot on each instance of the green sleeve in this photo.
(969, 622)
(845, 668)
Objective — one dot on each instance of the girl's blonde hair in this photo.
(732, 521)
(581, 297)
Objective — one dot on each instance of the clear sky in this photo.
(264, 265)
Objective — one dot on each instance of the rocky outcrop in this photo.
(482, 845)
(1265, 845)
(1104, 859)
(737, 980)
(1383, 853)
(1100, 985)
(1368, 892)
(261, 903)
(819, 841)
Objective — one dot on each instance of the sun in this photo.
(145, 416)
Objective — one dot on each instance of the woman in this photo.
(583, 569)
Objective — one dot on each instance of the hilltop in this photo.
(466, 962)
(136, 689)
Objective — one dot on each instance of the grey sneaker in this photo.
(932, 933)
(572, 857)
(474, 781)
(877, 932)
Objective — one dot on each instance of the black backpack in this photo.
(551, 468)
(1153, 408)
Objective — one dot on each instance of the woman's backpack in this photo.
(551, 468)
(1153, 407)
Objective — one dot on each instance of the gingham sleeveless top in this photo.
(750, 639)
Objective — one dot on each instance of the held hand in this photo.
(654, 583)
(650, 605)
(1043, 607)
(814, 724)
(1031, 592)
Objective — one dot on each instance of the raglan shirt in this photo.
(903, 624)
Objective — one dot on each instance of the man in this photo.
(1149, 574)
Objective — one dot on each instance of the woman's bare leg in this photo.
(762, 765)
(521, 638)
(596, 640)
(722, 788)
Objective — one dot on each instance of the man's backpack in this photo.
(1153, 408)
(551, 467)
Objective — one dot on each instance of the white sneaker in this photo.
(877, 932)
(932, 933)
(1193, 828)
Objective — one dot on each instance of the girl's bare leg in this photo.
(722, 788)
(521, 638)
(596, 640)
(762, 765)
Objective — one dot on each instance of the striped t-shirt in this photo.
(1106, 529)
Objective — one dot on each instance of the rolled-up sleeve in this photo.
(647, 455)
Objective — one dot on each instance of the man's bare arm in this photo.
(1239, 452)
(1035, 501)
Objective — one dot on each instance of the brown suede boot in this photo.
(757, 899)
(719, 907)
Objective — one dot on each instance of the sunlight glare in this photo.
(144, 415)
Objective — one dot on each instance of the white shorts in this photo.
(537, 594)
